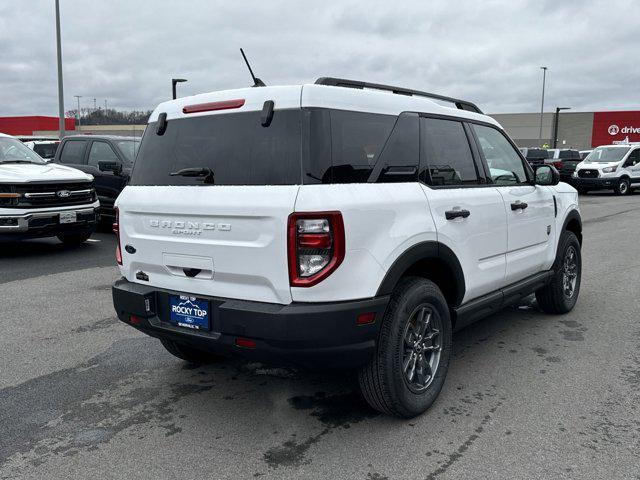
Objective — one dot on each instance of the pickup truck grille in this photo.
(39, 195)
(586, 173)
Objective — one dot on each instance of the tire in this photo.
(189, 354)
(554, 298)
(75, 239)
(383, 381)
(622, 187)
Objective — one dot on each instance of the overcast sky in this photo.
(487, 51)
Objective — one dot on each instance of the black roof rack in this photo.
(341, 82)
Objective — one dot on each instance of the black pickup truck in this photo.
(108, 158)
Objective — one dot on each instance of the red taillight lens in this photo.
(116, 230)
(558, 165)
(315, 244)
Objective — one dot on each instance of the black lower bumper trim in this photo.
(595, 183)
(301, 334)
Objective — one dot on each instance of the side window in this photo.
(356, 142)
(633, 159)
(505, 165)
(101, 152)
(446, 157)
(400, 159)
(73, 152)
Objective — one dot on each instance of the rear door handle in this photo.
(451, 214)
(518, 205)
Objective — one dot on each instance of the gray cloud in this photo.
(489, 52)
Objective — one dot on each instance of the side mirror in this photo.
(547, 175)
(114, 167)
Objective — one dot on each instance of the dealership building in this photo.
(579, 130)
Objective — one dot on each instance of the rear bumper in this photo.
(595, 183)
(317, 335)
(46, 223)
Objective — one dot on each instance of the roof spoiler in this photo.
(341, 82)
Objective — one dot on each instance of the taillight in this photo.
(315, 244)
(558, 165)
(116, 230)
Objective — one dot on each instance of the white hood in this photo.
(32, 172)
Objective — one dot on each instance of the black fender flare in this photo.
(572, 215)
(424, 251)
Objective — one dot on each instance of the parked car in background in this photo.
(45, 148)
(584, 153)
(615, 167)
(108, 158)
(40, 199)
(535, 156)
(565, 161)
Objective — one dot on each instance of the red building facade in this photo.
(30, 124)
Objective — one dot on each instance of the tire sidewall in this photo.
(569, 239)
(420, 292)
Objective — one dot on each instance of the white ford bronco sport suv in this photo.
(40, 199)
(338, 224)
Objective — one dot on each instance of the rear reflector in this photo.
(10, 195)
(208, 107)
(366, 318)
(133, 320)
(245, 343)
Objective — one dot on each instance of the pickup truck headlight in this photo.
(609, 169)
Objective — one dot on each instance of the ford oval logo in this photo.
(63, 193)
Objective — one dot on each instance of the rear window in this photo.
(235, 146)
(299, 146)
(46, 150)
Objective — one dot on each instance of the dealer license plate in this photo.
(189, 312)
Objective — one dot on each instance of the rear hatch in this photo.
(221, 241)
(218, 225)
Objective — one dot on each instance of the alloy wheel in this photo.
(570, 271)
(422, 347)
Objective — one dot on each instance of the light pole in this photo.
(544, 81)
(173, 85)
(78, 112)
(555, 125)
(60, 89)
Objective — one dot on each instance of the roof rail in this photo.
(341, 82)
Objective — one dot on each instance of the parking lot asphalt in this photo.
(527, 396)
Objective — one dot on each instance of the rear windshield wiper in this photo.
(195, 172)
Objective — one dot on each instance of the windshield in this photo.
(14, 151)
(607, 154)
(129, 148)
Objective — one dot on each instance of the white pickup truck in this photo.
(339, 224)
(40, 199)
